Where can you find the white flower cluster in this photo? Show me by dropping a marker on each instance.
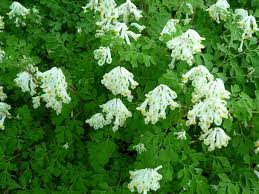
(97, 121)
(140, 148)
(256, 147)
(215, 138)
(185, 46)
(2, 54)
(4, 108)
(109, 15)
(181, 135)
(19, 12)
(156, 103)
(1, 23)
(118, 81)
(209, 96)
(247, 23)
(219, 10)
(170, 28)
(114, 111)
(51, 82)
(103, 55)
(144, 180)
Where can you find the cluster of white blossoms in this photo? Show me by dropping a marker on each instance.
(140, 148)
(1, 23)
(109, 16)
(103, 55)
(118, 81)
(209, 96)
(215, 138)
(247, 23)
(4, 108)
(97, 121)
(19, 12)
(219, 10)
(170, 28)
(157, 100)
(112, 111)
(185, 46)
(144, 180)
(52, 84)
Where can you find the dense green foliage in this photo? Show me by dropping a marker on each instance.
(32, 156)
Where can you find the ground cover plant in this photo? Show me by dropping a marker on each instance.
(129, 96)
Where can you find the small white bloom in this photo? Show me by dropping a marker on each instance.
(118, 81)
(103, 55)
(2, 55)
(256, 147)
(156, 103)
(181, 135)
(218, 11)
(169, 28)
(128, 8)
(242, 13)
(140, 148)
(1, 23)
(122, 31)
(214, 88)
(198, 75)
(185, 46)
(79, 30)
(117, 111)
(215, 138)
(4, 112)
(36, 101)
(54, 86)
(18, 12)
(3, 95)
(27, 80)
(144, 180)
(66, 146)
(208, 111)
(139, 27)
(97, 121)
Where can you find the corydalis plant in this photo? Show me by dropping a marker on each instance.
(49, 86)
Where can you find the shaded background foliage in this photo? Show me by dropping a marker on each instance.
(32, 157)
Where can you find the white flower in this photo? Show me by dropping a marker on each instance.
(242, 13)
(256, 173)
(256, 147)
(214, 88)
(103, 55)
(144, 180)
(118, 81)
(66, 146)
(54, 86)
(92, 5)
(169, 27)
(117, 111)
(248, 25)
(185, 46)
(198, 75)
(215, 138)
(156, 103)
(122, 31)
(128, 8)
(4, 108)
(3, 95)
(181, 135)
(139, 27)
(27, 80)
(140, 148)
(208, 111)
(218, 11)
(36, 101)
(18, 12)
(1, 23)
(97, 121)
(2, 54)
